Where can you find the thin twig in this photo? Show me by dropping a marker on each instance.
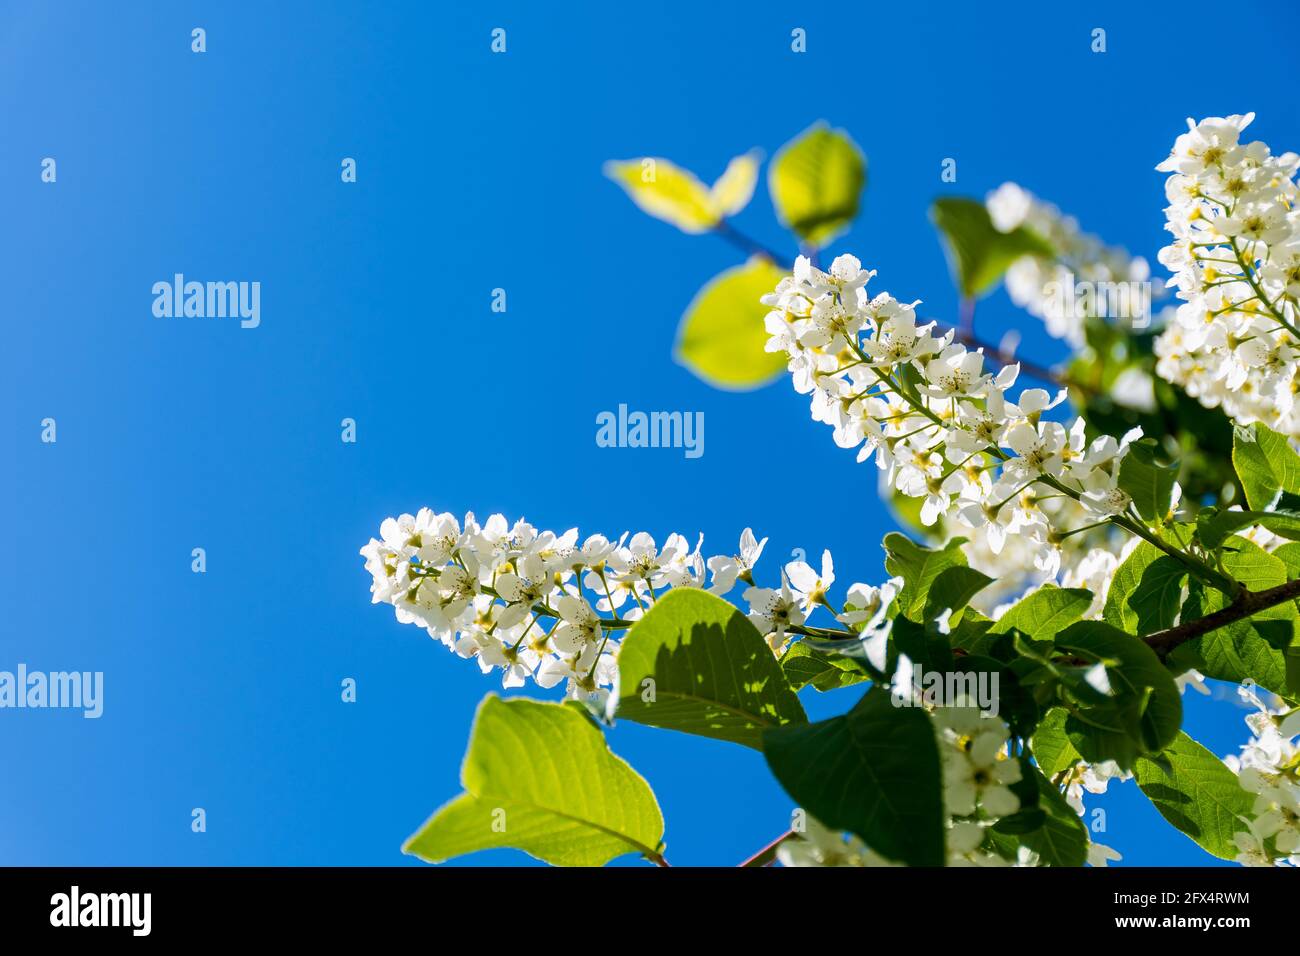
(750, 246)
(766, 855)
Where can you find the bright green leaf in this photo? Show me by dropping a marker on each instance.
(1050, 744)
(539, 778)
(1213, 528)
(721, 338)
(1149, 483)
(710, 672)
(804, 665)
(1146, 592)
(666, 191)
(1044, 612)
(1198, 794)
(735, 187)
(1266, 465)
(919, 567)
(815, 181)
(874, 771)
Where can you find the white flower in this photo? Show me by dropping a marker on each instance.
(1039, 449)
(811, 587)
(772, 612)
(1099, 855)
(726, 570)
(517, 664)
(1045, 285)
(579, 625)
(976, 769)
(955, 373)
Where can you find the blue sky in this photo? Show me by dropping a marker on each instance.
(475, 171)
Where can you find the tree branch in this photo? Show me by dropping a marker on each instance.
(766, 855)
(749, 246)
(1246, 604)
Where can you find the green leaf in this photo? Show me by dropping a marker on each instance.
(815, 181)
(804, 665)
(1143, 712)
(1051, 745)
(919, 567)
(1214, 527)
(1007, 698)
(1255, 647)
(1198, 794)
(539, 777)
(666, 191)
(1149, 483)
(1289, 555)
(978, 253)
(1044, 612)
(874, 771)
(721, 338)
(1146, 592)
(952, 590)
(970, 633)
(1060, 839)
(925, 645)
(710, 670)
(1266, 465)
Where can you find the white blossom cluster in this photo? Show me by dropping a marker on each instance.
(977, 774)
(1269, 767)
(1233, 340)
(538, 605)
(1044, 286)
(940, 426)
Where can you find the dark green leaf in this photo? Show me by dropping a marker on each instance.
(1062, 840)
(952, 590)
(926, 646)
(1144, 710)
(874, 771)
